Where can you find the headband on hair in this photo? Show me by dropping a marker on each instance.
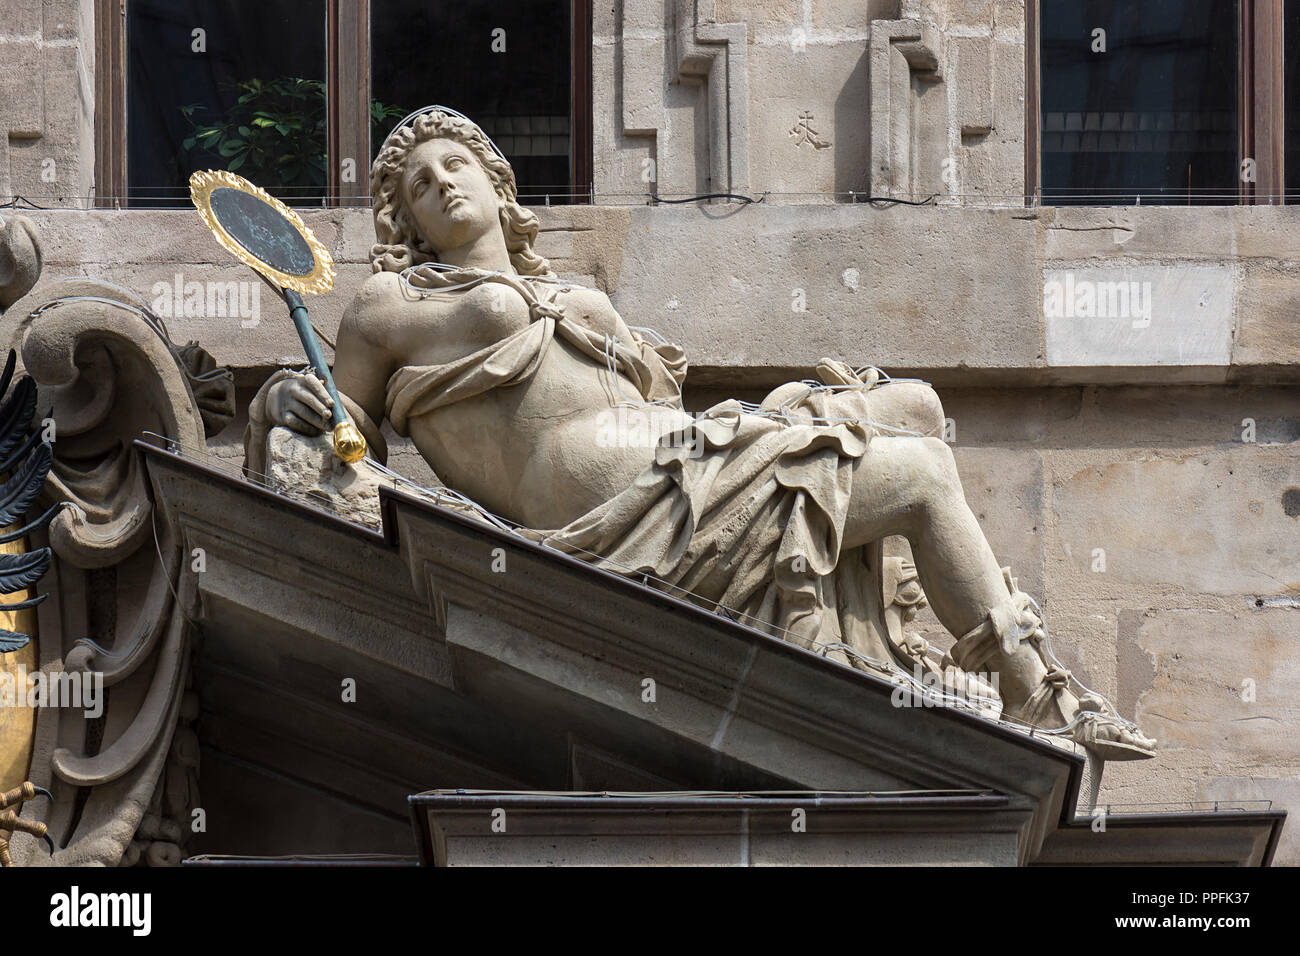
(450, 112)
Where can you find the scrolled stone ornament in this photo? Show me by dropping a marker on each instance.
(20, 259)
(104, 366)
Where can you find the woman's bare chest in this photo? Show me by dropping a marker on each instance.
(440, 326)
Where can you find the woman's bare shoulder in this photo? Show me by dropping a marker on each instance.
(379, 293)
(380, 307)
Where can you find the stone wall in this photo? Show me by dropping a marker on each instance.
(1138, 470)
(758, 293)
(47, 101)
(1167, 553)
(810, 101)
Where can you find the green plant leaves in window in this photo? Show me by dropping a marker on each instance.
(274, 133)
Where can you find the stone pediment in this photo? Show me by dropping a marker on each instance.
(341, 670)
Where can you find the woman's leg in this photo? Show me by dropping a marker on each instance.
(909, 486)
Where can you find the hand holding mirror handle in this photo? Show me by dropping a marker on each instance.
(270, 238)
(349, 444)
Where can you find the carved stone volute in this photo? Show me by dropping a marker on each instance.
(107, 373)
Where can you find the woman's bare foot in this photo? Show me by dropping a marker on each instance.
(1086, 719)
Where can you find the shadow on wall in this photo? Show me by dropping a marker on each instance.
(853, 129)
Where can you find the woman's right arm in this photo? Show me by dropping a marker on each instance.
(362, 366)
(365, 359)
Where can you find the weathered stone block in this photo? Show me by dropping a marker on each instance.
(1002, 148)
(21, 17)
(1140, 315)
(643, 81)
(163, 237)
(1000, 417)
(22, 99)
(1224, 684)
(758, 13)
(1197, 520)
(1009, 17)
(850, 14)
(973, 76)
(880, 284)
(809, 130)
(1076, 233)
(63, 19)
(1269, 310)
(1263, 232)
(969, 13)
(355, 236)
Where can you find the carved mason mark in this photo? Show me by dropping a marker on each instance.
(803, 132)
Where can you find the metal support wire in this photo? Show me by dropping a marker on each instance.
(537, 195)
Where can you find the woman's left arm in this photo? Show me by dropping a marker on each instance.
(666, 360)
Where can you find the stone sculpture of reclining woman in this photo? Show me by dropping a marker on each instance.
(506, 378)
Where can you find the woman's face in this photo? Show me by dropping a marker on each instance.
(449, 195)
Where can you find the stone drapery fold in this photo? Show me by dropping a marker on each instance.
(657, 371)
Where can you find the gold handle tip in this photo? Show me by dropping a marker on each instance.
(349, 444)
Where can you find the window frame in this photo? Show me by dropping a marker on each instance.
(347, 98)
(1260, 86)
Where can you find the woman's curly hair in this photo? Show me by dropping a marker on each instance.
(400, 244)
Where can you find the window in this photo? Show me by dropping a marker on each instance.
(215, 85)
(298, 95)
(1161, 102)
(1291, 94)
(522, 102)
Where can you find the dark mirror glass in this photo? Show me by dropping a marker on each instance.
(503, 63)
(262, 230)
(1139, 101)
(225, 84)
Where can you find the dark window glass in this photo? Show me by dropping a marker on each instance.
(1291, 101)
(1153, 116)
(442, 51)
(246, 94)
